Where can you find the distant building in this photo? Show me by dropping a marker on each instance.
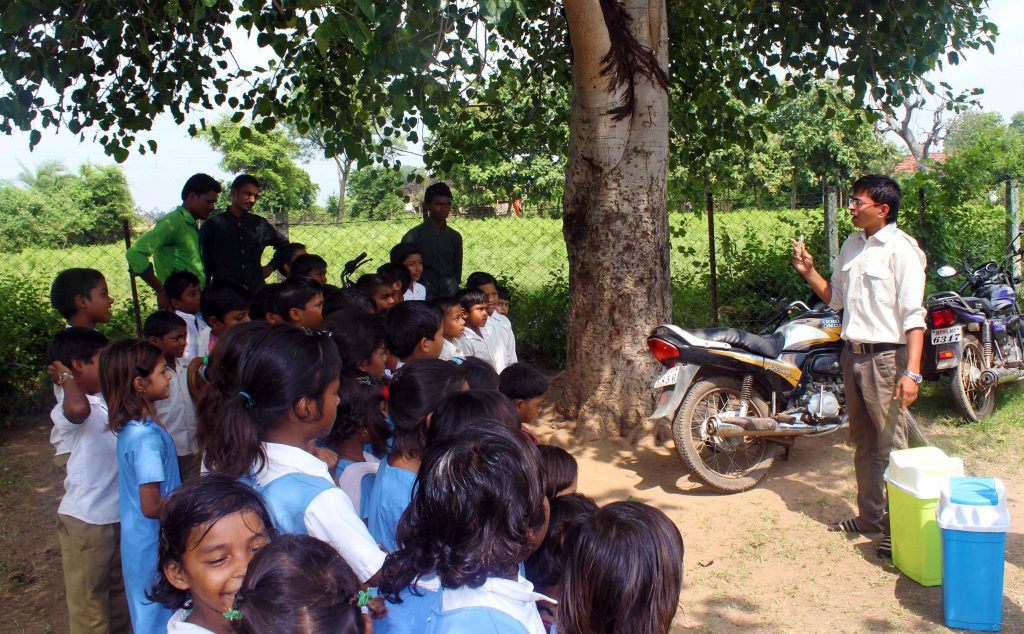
(909, 164)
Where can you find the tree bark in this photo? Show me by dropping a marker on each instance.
(615, 224)
(344, 165)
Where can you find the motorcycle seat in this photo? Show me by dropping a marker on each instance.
(764, 345)
(980, 303)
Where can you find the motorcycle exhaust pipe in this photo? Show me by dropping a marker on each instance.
(998, 376)
(729, 430)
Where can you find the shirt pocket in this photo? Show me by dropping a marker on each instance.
(879, 284)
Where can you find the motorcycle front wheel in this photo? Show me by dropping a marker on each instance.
(973, 401)
(729, 465)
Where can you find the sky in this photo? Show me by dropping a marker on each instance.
(156, 179)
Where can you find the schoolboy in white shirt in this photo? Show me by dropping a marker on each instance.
(88, 520)
(177, 413)
(498, 331)
(473, 341)
(183, 290)
(453, 326)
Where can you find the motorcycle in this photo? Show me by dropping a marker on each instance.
(978, 340)
(738, 397)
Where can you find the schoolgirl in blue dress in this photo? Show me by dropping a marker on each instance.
(623, 571)
(273, 392)
(358, 413)
(413, 394)
(478, 512)
(134, 375)
(210, 529)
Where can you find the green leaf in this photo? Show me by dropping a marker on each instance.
(34, 138)
(368, 8)
(152, 145)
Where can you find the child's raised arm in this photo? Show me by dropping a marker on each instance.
(76, 406)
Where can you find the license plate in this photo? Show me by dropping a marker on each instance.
(669, 377)
(947, 335)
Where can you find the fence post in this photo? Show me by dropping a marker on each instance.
(1013, 219)
(832, 224)
(709, 200)
(281, 219)
(131, 276)
(922, 207)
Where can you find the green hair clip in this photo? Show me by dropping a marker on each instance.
(365, 596)
(233, 615)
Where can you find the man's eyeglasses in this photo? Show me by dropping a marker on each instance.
(857, 203)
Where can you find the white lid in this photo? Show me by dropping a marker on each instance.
(922, 472)
(976, 505)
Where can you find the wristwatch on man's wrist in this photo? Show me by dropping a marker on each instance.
(917, 378)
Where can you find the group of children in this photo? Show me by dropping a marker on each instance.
(315, 459)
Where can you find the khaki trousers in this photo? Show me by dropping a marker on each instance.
(91, 556)
(876, 426)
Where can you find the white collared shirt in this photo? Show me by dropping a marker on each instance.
(879, 284)
(450, 351)
(91, 493)
(178, 624)
(416, 291)
(475, 345)
(515, 598)
(194, 327)
(501, 341)
(178, 413)
(330, 516)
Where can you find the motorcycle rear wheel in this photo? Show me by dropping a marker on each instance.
(972, 401)
(728, 465)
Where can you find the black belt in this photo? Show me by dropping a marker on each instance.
(873, 348)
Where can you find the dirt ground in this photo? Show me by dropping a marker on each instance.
(759, 561)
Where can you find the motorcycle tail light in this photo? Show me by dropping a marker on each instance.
(946, 355)
(663, 351)
(942, 318)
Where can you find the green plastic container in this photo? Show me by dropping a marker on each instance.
(914, 480)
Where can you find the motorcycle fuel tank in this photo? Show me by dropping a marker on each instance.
(803, 334)
(1001, 296)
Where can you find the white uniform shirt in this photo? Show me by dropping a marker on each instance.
(61, 445)
(474, 345)
(330, 516)
(451, 350)
(501, 341)
(416, 291)
(879, 282)
(194, 327)
(178, 413)
(178, 625)
(515, 598)
(91, 484)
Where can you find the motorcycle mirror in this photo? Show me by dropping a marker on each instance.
(946, 271)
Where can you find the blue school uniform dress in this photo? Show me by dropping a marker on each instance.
(388, 499)
(303, 499)
(145, 454)
(499, 606)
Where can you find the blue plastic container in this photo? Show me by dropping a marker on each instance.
(974, 520)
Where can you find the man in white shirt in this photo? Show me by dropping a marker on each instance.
(878, 282)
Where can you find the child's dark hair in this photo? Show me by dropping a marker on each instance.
(544, 566)
(479, 374)
(345, 299)
(263, 301)
(408, 323)
(357, 335)
(72, 283)
(477, 497)
(298, 583)
(179, 282)
(391, 273)
(286, 255)
(560, 469)
(359, 407)
(75, 344)
(198, 504)
(504, 293)
(162, 322)
(415, 391)
(369, 284)
(306, 263)
(477, 279)
(120, 364)
(295, 292)
(223, 362)
(623, 572)
(277, 367)
(220, 297)
(403, 250)
(883, 190)
(522, 381)
(445, 303)
(470, 297)
(460, 409)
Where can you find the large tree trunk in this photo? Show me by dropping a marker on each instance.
(615, 221)
(344, 165)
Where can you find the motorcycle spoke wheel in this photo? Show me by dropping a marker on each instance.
(973, 401)
(729, 465)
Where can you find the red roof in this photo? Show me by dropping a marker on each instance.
(909, 164)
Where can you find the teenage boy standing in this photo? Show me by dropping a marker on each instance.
(878, 282)
(439, 244)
